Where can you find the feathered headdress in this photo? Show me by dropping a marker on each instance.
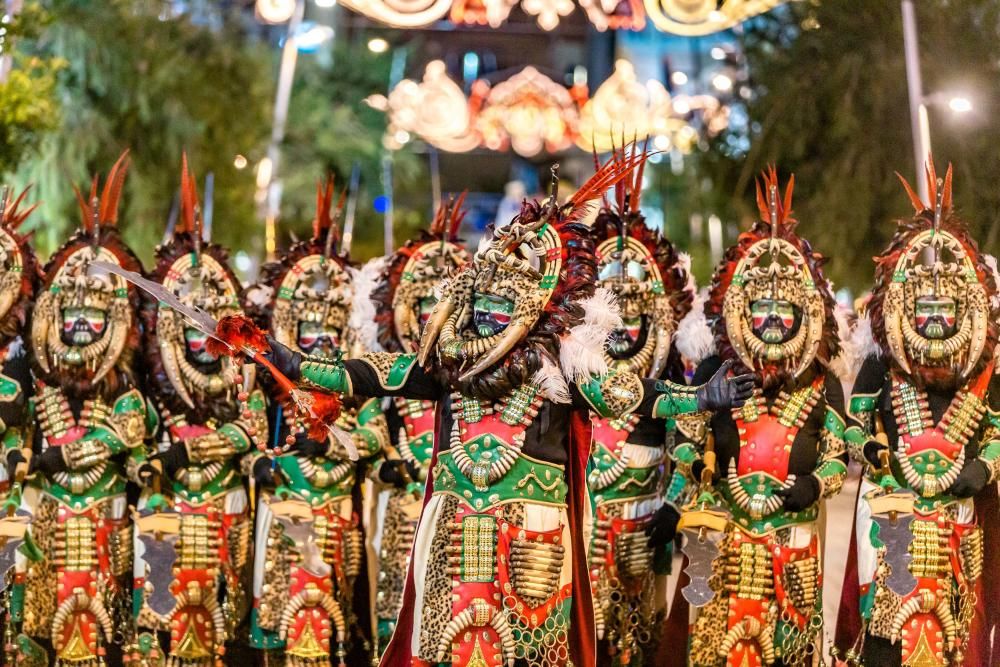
(414, 271)
(313, 277)
(956, 269)
(772, 261)
(98, 237)
(545, 256)
(199, 272)
(18, 258)
(665, 289)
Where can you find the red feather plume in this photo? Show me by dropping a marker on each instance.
(234, 333)
(609, 175)
(107, 206)
(13, 215)
(325, 412)
(930, 174)
(189, 199)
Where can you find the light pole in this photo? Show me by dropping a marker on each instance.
(914, 85)
(269, 188)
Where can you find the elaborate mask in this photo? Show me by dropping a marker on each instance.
(310, 288)
(773, 282)
(770, 304)
(198, 273)
(649, 280)
(935, 304)
(418, 268)
(84, 317)
(521, 275)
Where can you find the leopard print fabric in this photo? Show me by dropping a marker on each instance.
(277, 574)
(436, 611)
(397, 538)
(40, 584)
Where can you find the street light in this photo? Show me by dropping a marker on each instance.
(960, 104)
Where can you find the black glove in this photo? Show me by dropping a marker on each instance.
(391, 472)
(871, 450)
(698, 467)
(973, 479)
(14, 458)
(307, 447)
(662, 528)
(174, 459)
(264, 472)
(284, 359)
(150, 471)
(803, 492)
(48, 462)
(722, 393)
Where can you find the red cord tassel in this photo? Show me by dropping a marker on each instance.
(235, 333)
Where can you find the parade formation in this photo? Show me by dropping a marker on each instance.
(495, 454)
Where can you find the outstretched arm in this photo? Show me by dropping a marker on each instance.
(620, 393)
(374, 374)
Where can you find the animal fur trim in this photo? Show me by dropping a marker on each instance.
(550, 381)
(693, 338)
(581, 350)
(362, 319)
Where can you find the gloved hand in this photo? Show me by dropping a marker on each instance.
(307, 447)
(264, 472)
(971, 480)
(391, 472)
(49, 462)
(14, 458)
(149, 471)
(803, 492)
(284, 359)
(175, 458)
(662, 528)
(698, 467)
(872, 451)
(722, 393)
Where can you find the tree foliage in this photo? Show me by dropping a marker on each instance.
(830, 105)
(135, 78)
(331, 129)
(28, 106)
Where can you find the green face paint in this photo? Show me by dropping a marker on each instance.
(773, 320)
(491, 314)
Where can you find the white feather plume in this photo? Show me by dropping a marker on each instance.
(693, 338)
(861, 344)
(684, 261)
(259, 295)
(362, 319)
(581, 350)
(550, 381)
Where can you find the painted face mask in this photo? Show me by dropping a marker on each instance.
(196, 349)
(625, 341)
(935, 318)
(773, 320)
(82, 326)
(317, 340)
(491, 314)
